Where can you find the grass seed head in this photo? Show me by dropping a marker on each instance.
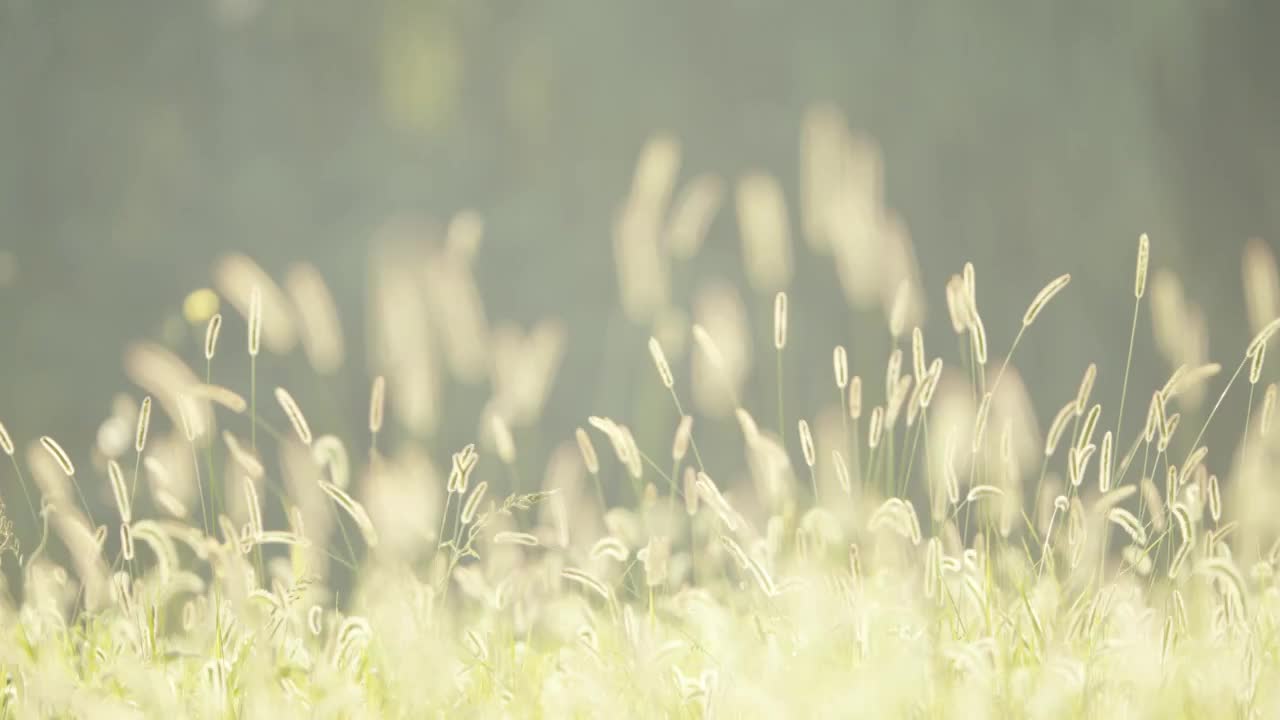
(660, 362)
(59, 455)
(1043, 297)
(780, 321)
(377, 403)
(840, 363)
(255, 320)
(1144, 256)
(211, 335)
(294, 413)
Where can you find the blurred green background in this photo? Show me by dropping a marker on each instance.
(140, 140)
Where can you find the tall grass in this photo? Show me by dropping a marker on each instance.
(911, 580)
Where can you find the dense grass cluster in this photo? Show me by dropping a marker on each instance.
(916, 547)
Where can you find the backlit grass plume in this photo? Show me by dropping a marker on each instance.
(934, 556)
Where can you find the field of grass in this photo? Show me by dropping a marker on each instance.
(917, 546)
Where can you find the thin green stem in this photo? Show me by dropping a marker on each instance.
(1127, 462)
(844, 417)
(1045, 551)
(1142, 501)
(928, 466)
(658, 469)
(1044, 469)
(979, 368)
(346, 538)
(88, 513)
(857, 455)
(1248, 418)
(782, 427)
(671, 498)
(1244, 448)
(213, 424)
(35, 516)
(1124, 388)
(204, 511)
(444, 518)
(1102, 556)
(693, 444)
(1214, 411)
(911, 461)
(872, 453)
(1017, 338)
(253, 401)
(44, 535)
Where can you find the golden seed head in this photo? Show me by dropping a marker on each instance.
(211, 335)
(294, 413)
(59, 455)
(684, 433)
(918, 360)
(660, 362)
(877, 427)
(377, 402)
(1255, 365)
(855, 397)
(840, 362)
(144, 424)
(1144, 256)
(780, 320)
(255, 320)
(806, 444)
(589, 457)
(1043, 297)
